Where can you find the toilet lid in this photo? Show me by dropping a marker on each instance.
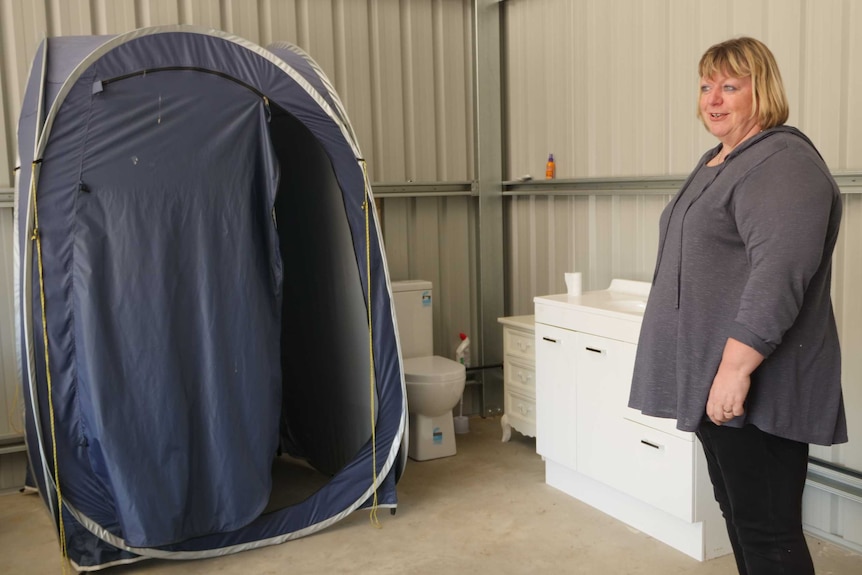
(432, 368)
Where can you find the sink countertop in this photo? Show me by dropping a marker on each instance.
(526, 322)
(614, 312)
(622, 298)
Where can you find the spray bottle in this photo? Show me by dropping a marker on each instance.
(550, 168)
(462, 356)
(462, 353)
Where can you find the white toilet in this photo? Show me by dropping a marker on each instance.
(434, 383)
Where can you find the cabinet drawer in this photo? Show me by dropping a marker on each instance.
(521, 408)
(660, 423)
(520, 376)
(519, 344)
(656, 468)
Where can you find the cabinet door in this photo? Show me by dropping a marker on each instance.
(556, 432)
(603, 370)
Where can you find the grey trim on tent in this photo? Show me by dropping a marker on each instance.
(150, 553)
(324, 79)
(43, 131)
(84, 568)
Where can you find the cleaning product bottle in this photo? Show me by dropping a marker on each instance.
(462, 353)
(550, 168)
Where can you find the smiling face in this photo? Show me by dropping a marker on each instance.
(727, 108)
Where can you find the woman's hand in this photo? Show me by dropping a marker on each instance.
(727, 396)
(732, 382)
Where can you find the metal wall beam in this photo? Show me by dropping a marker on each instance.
(489, 174)
(7, 197)
(488, 118)
(849, 182)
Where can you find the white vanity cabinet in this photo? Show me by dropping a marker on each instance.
(639, 469)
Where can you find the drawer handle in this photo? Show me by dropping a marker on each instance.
(523, 409)
(650, 444)
(550, 340)
(524, 346)
(523, 377)
(595, 350)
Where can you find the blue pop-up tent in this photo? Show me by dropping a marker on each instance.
(200, 287)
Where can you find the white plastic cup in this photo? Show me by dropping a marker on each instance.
(573, 283)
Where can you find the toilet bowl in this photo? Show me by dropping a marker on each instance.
(434, 387)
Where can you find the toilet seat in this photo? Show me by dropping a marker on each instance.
(433, 369)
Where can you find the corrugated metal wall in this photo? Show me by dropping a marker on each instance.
(847, 297)
(401, 67)
(611, 87)
(602, 236)
(432, 239)
(10, 422)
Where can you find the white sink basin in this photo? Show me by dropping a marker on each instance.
(627, 305)
(615, 313)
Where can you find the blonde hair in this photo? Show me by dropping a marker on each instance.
(742, 57)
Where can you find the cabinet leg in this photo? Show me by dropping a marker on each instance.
(507, 429)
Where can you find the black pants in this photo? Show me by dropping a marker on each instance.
(758, 480)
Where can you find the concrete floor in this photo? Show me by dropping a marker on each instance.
(485, 510)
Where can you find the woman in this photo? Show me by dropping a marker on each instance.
(738, 341)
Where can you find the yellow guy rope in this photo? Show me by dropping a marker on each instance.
(366, 207)
(37, 238)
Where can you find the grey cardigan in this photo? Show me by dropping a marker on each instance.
(745, 251)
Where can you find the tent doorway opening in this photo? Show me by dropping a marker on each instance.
(325, 415)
